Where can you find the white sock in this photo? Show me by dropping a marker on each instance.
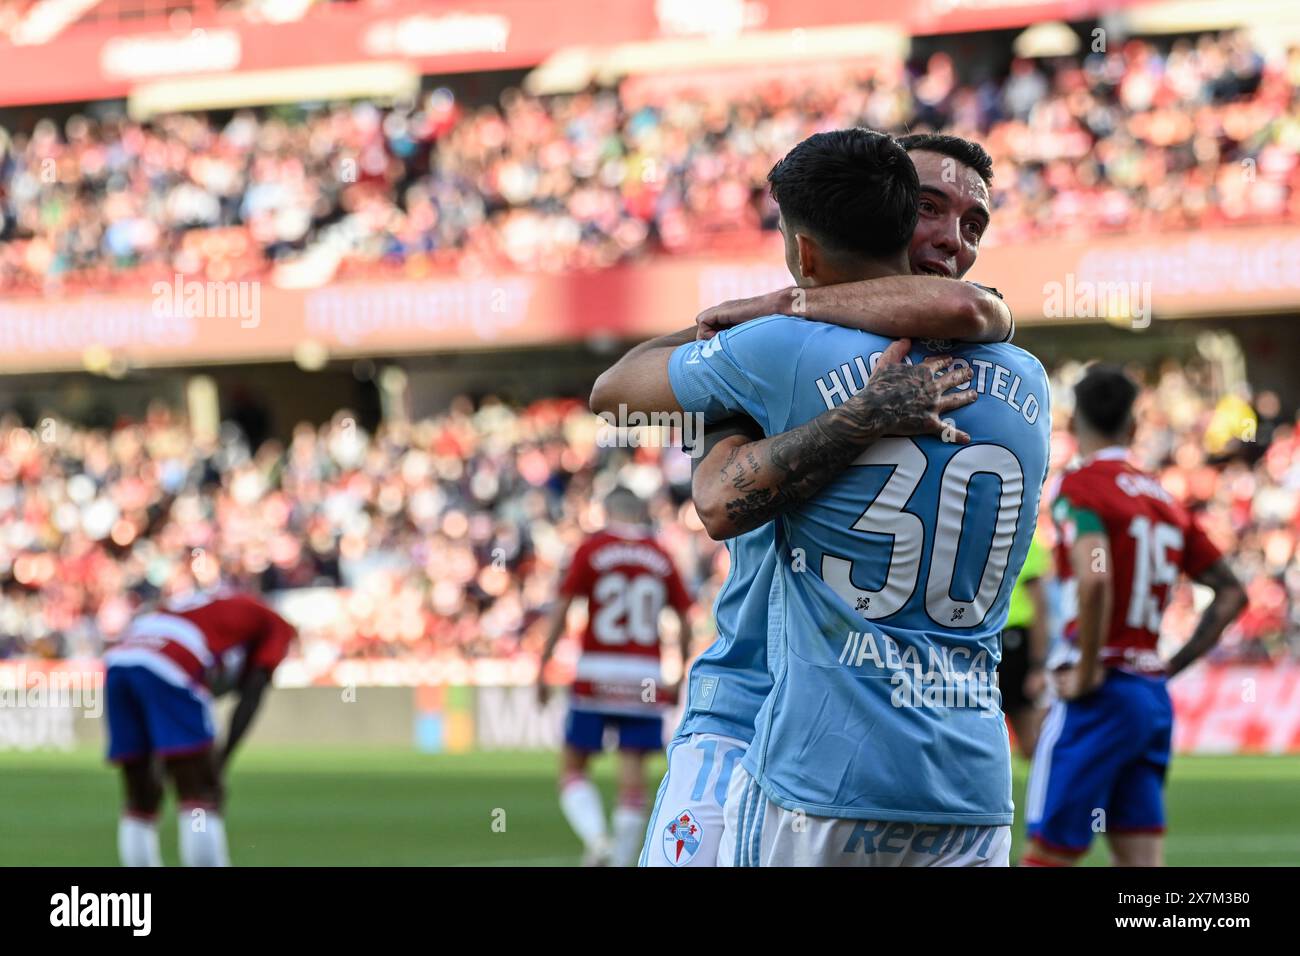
(629, 833)
(580, 801)
(137, 841)
(202, 837)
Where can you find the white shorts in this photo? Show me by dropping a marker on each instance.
(686, 824)
(757, 832)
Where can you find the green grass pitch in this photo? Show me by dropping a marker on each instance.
(337, 807)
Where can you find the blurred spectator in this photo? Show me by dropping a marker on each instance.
(444, 537)
(1131, 139)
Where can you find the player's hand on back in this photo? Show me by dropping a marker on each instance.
(905, 399)
(1071, 686)
(738, 311)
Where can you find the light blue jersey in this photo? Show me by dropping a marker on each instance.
(730, 680)
(892, 585)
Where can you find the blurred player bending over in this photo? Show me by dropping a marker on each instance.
(1104, 748)
(626, 579)
(161, 679)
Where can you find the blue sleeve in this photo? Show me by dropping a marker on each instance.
(745, 370)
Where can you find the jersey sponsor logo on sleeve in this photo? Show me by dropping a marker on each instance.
(708, 686)
(703, 350)
(682, 838)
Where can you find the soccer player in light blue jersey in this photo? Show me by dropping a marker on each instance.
(882, 741)
(729, 682)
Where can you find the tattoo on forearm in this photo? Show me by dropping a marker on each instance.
(724, 473)
(743, 479)
(786, 470)
(801, 462)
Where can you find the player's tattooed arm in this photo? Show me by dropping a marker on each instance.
(639, 380)
(742, 484)
(1229, 601)
(713, 466)
(919, 306)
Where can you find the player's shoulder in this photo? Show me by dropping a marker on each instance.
(1081, 484)
(1111, 483)
(238, 598)
(780, 331)
(582, 553)
(240, 609)
(1024, 362)
(820, 342)
(594, 540)
(775, 324)
(1074, 479)
(658, 547)
(220, 599)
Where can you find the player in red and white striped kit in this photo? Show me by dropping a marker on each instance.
(627, 579)
(161, 679)
(1123, 542)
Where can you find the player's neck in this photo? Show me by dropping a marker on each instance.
(1091, 447)
(863, 271)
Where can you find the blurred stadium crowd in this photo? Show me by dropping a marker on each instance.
(448, 535)
(1130, 139)
(13, 13)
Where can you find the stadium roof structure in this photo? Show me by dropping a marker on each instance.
(574, 68)
(381, 80)
(1273, 24)
(72, 50)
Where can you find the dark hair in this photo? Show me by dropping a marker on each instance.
(1104, 399)
(625, 503)
(854, 189)
(963, 150)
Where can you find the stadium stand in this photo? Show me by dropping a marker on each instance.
(446, 535)
(1141, 138)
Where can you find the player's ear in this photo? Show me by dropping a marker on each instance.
(809, 255)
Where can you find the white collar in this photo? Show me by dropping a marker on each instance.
(626, 530)
(1109, 453)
